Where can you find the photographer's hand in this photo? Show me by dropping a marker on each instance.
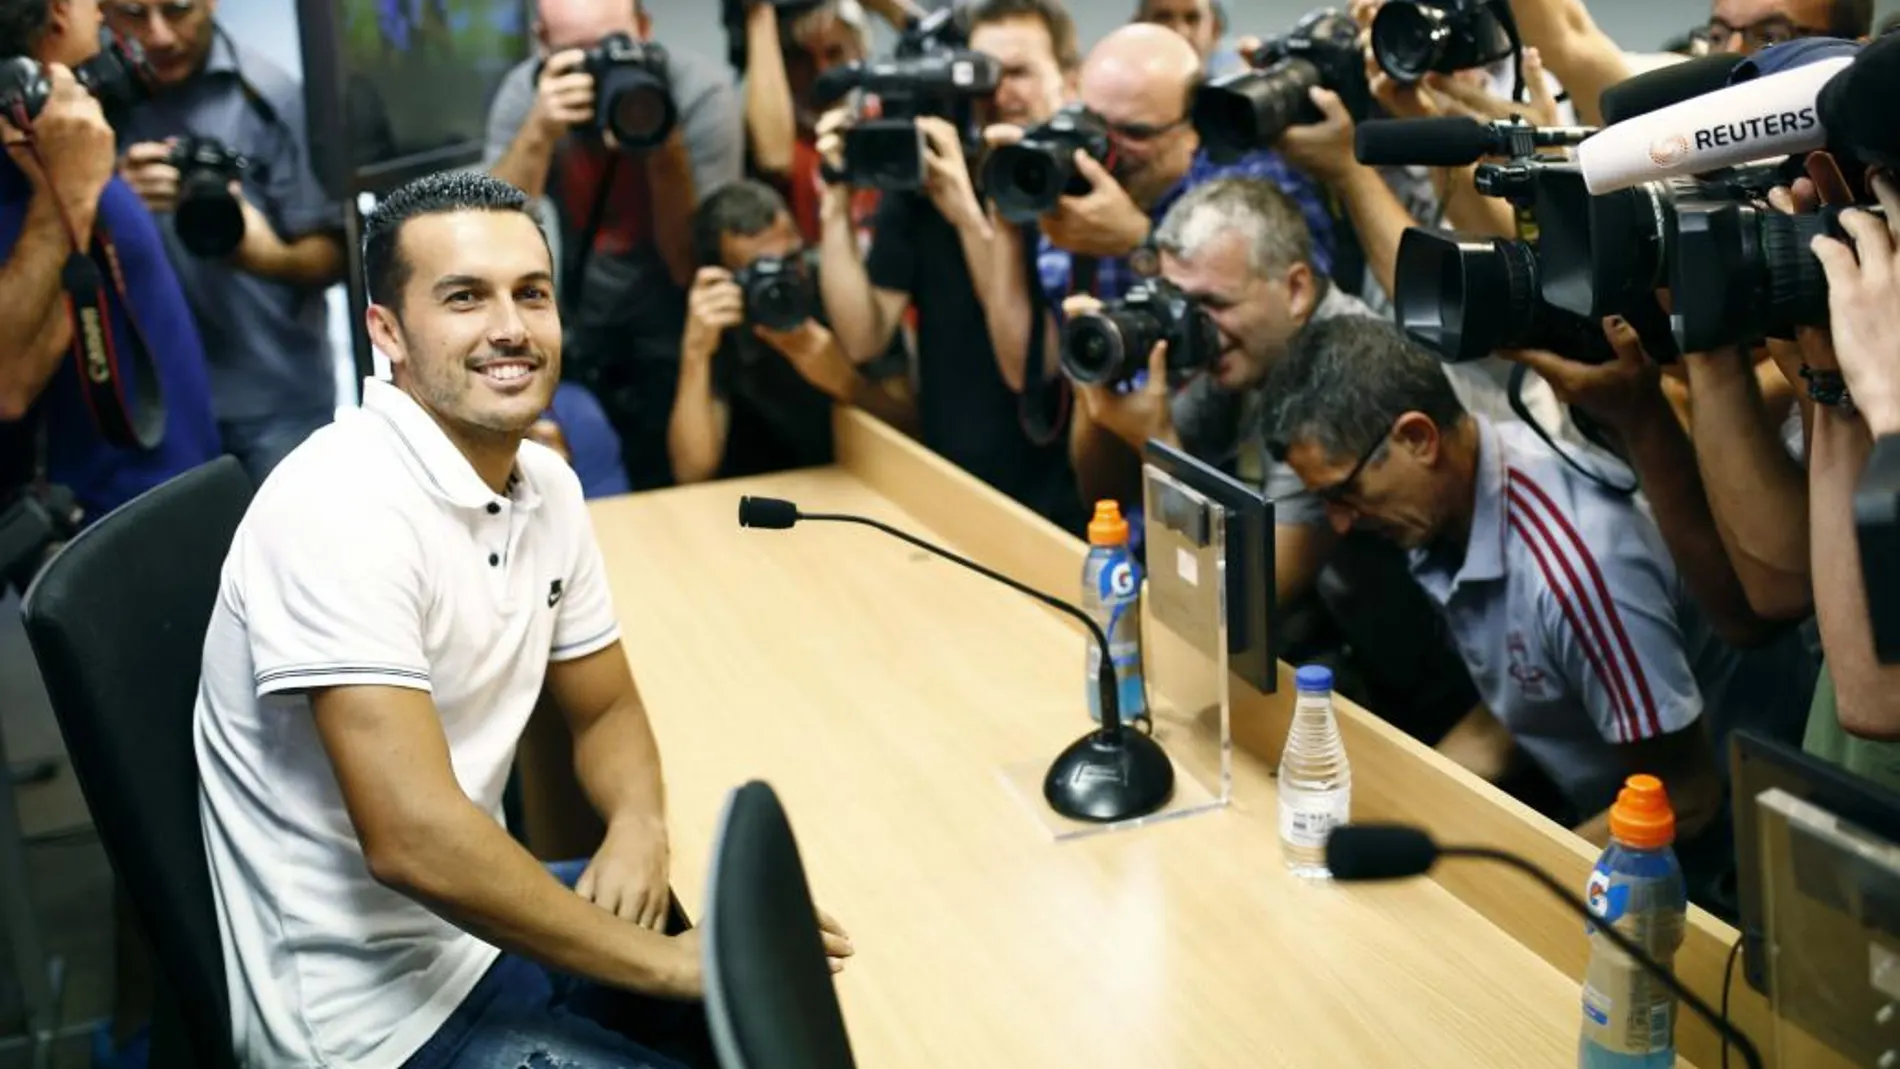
(1623, 393)
(1325, 149)
(713, 306)
(1105, 221)
(1137, 416)
(947, 174)
(1459, 97)
(564, 94)
(1864, 306)
(146, 167)
(815, 354)
(71, 134)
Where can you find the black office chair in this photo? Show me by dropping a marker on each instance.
(769, 993)
(117, 621)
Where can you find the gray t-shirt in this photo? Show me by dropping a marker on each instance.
(267, 343)
(627, 299)
(1223, 427)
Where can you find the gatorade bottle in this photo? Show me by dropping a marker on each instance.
(1111, 594)
(1629, 1019)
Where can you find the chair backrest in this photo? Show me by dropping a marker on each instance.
(117, 620)
(769, 994)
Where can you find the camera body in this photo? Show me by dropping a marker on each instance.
(1413, 38)
(888, 152)
(1111, 345)
(1027, 178)
(633, 99)
(1250, 109)
(208, 220)
(779, 294)
(117, 76)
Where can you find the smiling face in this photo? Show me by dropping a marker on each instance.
(1257, 314)
(476, 336)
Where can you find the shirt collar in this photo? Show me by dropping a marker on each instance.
(223, 57)
(1484, 550)
(444, 469)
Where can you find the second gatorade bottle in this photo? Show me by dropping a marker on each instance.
(1629, 1017)
(1111, 594)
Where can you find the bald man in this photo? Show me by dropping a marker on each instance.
(625, 216)
(1140, 80)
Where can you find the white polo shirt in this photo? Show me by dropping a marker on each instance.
(1569, 614)
(374, 555)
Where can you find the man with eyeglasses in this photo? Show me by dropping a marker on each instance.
(262, 308)
(1590, 659)
(1587, 61)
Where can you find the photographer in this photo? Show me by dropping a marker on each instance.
(59, 170)
(743, 408)
(1138, 83)
(931, 251)
(1202, 23)
(626, 215)
(261, 304)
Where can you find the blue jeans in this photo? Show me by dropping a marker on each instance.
(524, 1016)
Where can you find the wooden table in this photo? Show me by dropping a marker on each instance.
(881, 691)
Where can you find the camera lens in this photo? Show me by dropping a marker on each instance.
(777, 303)
(640, 114)
(1250, 110)
(1026, 179)
(1409, 39)
(1795, 289)
(207, 218)
(1107, 346)
(1464, 299)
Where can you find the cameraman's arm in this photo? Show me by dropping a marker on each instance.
(529, 117)
(863, 315)
(705, 151)
(1581, 55)
(1324, 150)
(1754, 487)
(670, 177)
(291, 203)
(1108, 429)
(1868, 692)
(1007, 307)
(34, 328)
(770, 126)
(697, 430)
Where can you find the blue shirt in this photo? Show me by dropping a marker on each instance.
(267, 343)
(103, 476)
(1113, 276)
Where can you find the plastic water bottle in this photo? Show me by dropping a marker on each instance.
(1629, 1019)
(1111, 593)
(1315, 778)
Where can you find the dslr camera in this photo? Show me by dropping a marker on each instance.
(1027, 178)
(1413, 38)
(632, 99)
(208, 219)
(1111, 345)
(778, 291)
(117, 76)
(1250, 109)
(931, 72)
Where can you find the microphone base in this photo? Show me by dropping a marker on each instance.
(1108, 776)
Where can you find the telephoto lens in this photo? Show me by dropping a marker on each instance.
(778, 293)
(208, 220)
(1027, 178)
(1112, 344)
(1249, 110)
(1413, 38)
(631, 97)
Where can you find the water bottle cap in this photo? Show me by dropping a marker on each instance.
(1314, 677)
(1641, 816)
(1108, 528)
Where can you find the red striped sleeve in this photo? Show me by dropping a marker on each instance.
(1583, 624)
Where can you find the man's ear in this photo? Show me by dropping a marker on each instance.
(385, 333)
(1302, 293)
(642, 23)
(540, 31)
(1418, 435)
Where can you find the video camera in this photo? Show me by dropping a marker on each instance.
(117, 76)
(778, 291)
(1250, 109)
(1027, 178)
(633, 99)
(931, 72)
(208, 219)
(1111, 345)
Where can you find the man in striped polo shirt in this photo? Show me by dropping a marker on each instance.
(1588, 656)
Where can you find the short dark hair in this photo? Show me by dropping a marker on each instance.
(22, 24)
(385, 271)
(1346, 380)
(1055, 18)
(745, 208)
(1850, 18)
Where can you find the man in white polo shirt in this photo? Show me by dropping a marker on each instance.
(1588, 656)
(402, 590)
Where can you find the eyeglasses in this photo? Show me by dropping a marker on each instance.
(176, 11)
(1773, 30)
(1141, 131)
(1337, 493)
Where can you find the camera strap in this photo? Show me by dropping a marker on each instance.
(1043, 414)
(1514, 392)
(575, 271)
(131, 417)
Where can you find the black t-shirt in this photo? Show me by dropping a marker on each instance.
(970, 416)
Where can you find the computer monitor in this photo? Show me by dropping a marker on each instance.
(1248, 562)
(1758, 764)
(395, 89)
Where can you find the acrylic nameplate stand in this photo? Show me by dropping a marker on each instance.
(1185, 663)
(1831, 907)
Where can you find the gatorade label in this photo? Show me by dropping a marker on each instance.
(1118, 587)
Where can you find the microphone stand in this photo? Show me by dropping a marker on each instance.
(1108, 775)
(1622, 942)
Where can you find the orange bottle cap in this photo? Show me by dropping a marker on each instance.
(1108, 528)
(1641, 816)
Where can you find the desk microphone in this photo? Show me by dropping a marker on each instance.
(1111, 773)
(1366, 852)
